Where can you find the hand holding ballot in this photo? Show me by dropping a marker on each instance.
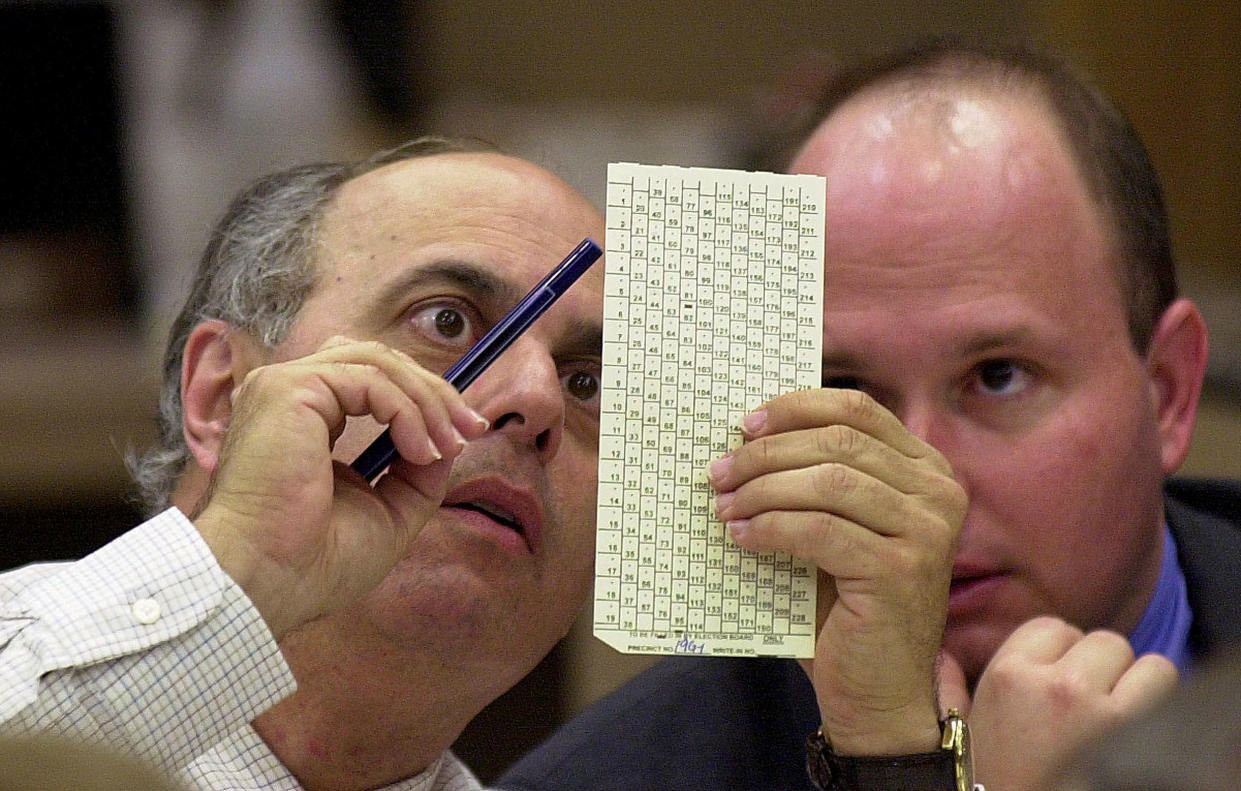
(832, 477)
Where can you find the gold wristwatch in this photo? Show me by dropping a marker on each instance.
(950, 768)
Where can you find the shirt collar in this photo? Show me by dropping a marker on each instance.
(1164, 627)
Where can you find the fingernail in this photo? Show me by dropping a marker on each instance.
(483, 423)
(738, 528)
(461, 440)
(755, 421)
(435, 452)
(718, 469)
(722, 502)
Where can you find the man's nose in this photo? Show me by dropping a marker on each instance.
(521, 395)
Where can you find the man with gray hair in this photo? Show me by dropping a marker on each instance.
(279, 622)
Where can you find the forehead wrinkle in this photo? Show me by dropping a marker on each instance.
(492, 193)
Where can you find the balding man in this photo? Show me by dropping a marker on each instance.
(1000, 289)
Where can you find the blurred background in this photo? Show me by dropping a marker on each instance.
(129, 124)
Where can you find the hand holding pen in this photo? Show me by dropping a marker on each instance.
(300, 539)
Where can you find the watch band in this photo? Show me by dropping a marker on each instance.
(949, 768)
(933, 771)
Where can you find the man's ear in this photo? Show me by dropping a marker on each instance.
(217, 358)
(1176, 364)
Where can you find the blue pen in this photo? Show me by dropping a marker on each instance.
(382, 452)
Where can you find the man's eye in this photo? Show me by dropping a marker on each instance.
(843, 383)
(443, 323)
(582, 385)
(449, 323)
(1002, 377)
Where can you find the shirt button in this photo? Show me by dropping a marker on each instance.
(146, 611)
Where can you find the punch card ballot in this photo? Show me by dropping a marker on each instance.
(713, 304)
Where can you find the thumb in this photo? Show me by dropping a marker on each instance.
(954, 691)
(427, 482)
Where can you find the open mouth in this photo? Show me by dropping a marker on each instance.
(971, 590)
(509, 513)
(965, 579)
(495, 512)
(497, 515)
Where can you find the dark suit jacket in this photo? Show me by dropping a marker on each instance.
(732, 724)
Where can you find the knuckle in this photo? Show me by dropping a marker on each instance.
(809, 543)
(1004, 671)
(932, 455)
(833, 477)
(334, 341)
(1157, 671)
(941, 462)
(822, 539)
(822, 530)
(947, 502)
(798, 401)
(904, 561)
(1067, 690)
(837, 440)
(375, 348)
(1048, 627)
(958, 501)
(764, 533)
(1108, 637)
(364, 369)
(758, 454)
(821, 524)
(1010, 674)
(1157, 664)
(857, 406)
(947, 529)
(1112, 642)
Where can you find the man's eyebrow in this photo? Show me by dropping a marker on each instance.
(981, 343)
(484, 284)
(995, 339)
(842, 361)
(582, 338)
